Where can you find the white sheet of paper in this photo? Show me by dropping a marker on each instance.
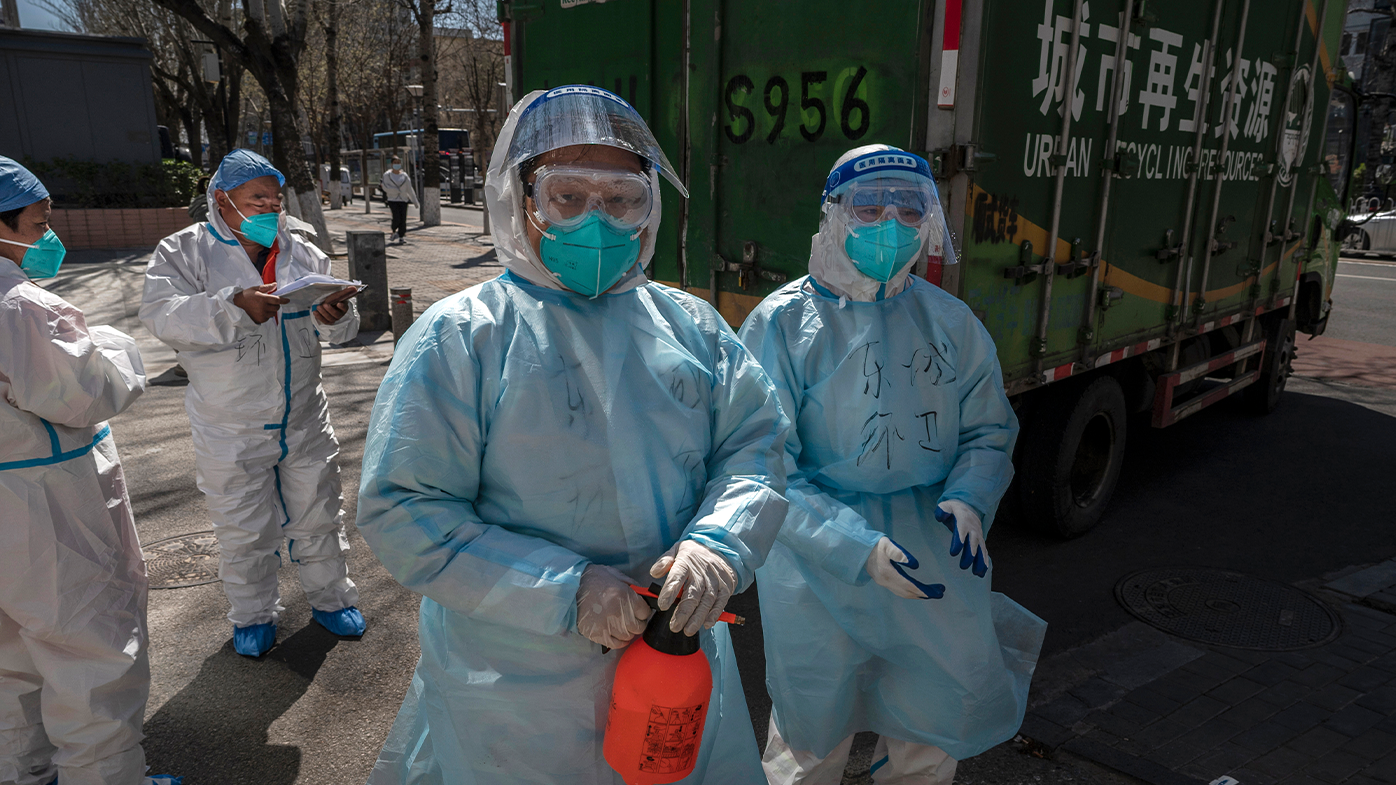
(313, 288)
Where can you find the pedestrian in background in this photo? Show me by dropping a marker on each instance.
(398, 191)
(74, 664)
(265, 454)
(875, 599)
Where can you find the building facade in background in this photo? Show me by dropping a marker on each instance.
(74, 96)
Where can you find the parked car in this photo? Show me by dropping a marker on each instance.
(1371, 226)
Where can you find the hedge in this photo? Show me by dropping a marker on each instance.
(88, 184)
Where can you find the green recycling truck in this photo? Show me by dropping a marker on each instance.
(1144, 196)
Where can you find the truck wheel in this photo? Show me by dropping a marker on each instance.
(1263, 396)
(1075, 446)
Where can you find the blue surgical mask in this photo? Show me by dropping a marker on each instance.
(43, 258)
(879, 251)
(592, 256)
(260, 229)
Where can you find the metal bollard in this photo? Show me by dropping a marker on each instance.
(402, 311)
(368, 262)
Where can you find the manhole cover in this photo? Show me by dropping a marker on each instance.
(1227, 609)
(188, 560)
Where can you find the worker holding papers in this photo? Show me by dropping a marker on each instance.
(245, 302)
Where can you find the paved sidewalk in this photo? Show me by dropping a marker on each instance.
(436, 262)
(1348, 362)
(1171, 712)
(106, 285)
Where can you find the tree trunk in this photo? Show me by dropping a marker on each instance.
(231, 105)
(335, 130)
(221, 107)
(218, 143)
(227, 100)
(165, 104)
(431, 146)
(193, 130)
(270, 48)
(288, 155)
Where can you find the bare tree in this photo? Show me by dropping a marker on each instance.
(184, 99)
(335, 131)
(424, 12)
(371, 63)
(270, 47)
(474, 70)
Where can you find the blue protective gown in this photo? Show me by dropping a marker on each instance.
(521, 433)
(898, 404)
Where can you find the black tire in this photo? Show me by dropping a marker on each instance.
(1263, 396)
(1074, 448)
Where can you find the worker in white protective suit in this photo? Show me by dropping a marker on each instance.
(547, 438)
(264, 449)
(876, 602)
(74, 667)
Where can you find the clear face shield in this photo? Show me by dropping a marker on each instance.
(884, 202)
(581, 115)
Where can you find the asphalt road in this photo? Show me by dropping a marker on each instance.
(1292, 496)
(1364, 299)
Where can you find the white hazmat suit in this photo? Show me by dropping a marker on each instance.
(74, 672)
(265, 452)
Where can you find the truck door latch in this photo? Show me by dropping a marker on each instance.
(1080, 263)
(948, 162)
(1169, 251)
(748, 270)
(1024, 271)
(1220, 246)
(1290, 234)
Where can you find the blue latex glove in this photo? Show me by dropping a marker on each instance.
(966, 535)
(885, 566)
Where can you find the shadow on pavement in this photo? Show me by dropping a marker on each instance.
(172, 377)
(1288, 497)
(216, 729)
(475, 261)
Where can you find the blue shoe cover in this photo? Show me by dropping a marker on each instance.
(348, 623)
(163, 779)
(254, 640)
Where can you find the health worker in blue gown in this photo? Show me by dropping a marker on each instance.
(547, 438)
(875, 599)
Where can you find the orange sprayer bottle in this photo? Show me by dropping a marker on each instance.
(659, 703)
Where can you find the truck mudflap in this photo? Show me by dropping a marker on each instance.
(1167, 412)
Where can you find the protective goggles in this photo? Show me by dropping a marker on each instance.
(870, 202)
(564, 196)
